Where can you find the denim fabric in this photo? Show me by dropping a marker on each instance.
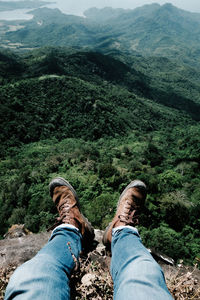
(136, 275)
(46, 276)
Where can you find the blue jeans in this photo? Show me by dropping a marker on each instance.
(135, 273)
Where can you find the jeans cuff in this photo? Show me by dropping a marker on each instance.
(65, 226)
(119, 228)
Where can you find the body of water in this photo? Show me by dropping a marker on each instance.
(25, 14)
(17, 14)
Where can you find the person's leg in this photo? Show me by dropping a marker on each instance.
(46, 276)
(136, 275)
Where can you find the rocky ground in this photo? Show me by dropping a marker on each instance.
(92, 280)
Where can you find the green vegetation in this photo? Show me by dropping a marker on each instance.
(149, 30)
(101, 121)
(99, 171)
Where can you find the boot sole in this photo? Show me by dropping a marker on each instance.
(59, 181)
(134, 184)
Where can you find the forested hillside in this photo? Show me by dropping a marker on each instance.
(148, 30)
(101, 121)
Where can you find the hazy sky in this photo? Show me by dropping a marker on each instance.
(77, 7)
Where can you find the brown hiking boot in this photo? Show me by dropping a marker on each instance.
(66, 200)
(128, 208)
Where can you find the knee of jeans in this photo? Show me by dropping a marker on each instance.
(27, 269)
(23, 270)
(144, 267)
(138, 267)
(30, 271)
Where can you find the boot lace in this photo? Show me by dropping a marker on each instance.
(130, 214)
(64, 212)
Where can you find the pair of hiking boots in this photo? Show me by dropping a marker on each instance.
(66, 200)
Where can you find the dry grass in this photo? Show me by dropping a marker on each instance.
(93, 281)
(185, 284)
(5, 274)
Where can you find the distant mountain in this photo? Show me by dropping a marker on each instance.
(157, 30)
(50, 27)
(148, 30)
(110, 14)
(105, 14)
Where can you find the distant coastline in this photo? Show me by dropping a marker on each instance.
(20, 10)
(17, 14)
(9, 6)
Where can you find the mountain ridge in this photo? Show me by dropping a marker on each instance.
(148, 30)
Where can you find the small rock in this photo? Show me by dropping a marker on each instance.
(87, 279)
(17, 230)
(98, 235)
(101, 249)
